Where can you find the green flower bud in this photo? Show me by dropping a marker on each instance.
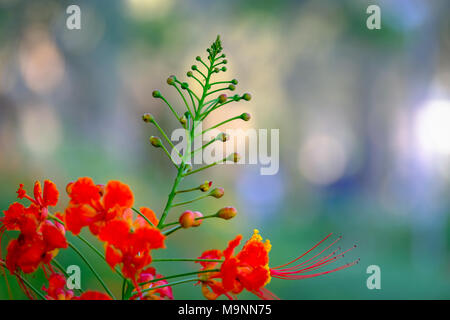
(194, 67)
(224, 69)
(185, 85)
(247, 96)
(156, 94)
(189, 74)
(236, 97)
(225, 61)
(222, 98)
(227, 213)
(147, 117)
(234, 81)
(232, 87)
(217, 193)
(183, 121)
(198, 58)
(216, 70)
(155, 141)
(245, 116)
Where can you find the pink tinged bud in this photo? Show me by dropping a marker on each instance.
(155, 141)
(217, 193)
(171, 80)
(227, 213)
(205, 186)
(187, 219)
(197, 216)
(222, 98)
(245, 116)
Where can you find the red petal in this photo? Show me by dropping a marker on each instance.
(94, 295)
(150, 215)
(117, 193)
(53, 237)
(116, 233)
(51, 194)
(84, 191)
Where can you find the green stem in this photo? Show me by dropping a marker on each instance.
(92, 269)
(220, 124)
(189, 201)
(199, 218)
(170, 284)
(170, 231)
(172, 194)
(143, 216)
(191, 260)
(179, 275)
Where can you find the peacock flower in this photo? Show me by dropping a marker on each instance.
(94, 205)
(129, 243)
(39, 238)
(249, 268)
(57, 291)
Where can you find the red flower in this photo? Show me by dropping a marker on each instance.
(39, 238)
(249, 269)
(164, 293)
(129, 243)
(57, 291)
(94, 205)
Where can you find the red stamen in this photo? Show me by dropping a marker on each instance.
(286, 264)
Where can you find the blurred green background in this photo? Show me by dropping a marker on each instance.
(364, 118)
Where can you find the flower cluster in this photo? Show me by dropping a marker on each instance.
(129, 236)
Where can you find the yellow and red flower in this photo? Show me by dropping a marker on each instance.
(249, 268)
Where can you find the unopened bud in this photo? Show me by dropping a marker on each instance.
(187, 219)
(224, 61)
(185, 85)
(245, 116)
(189, 74)
(216, 70)
(197, 218)
(205, 186)
(247, 96)
(155, 141)
(234, 81)
(198, 58)
(232, 87)
(227, 213)
(171, 80)
(217, 193)
(224, 69)
(183, 121)
(222, 98)
(147, 117)
(194, 67)
(156, 94)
